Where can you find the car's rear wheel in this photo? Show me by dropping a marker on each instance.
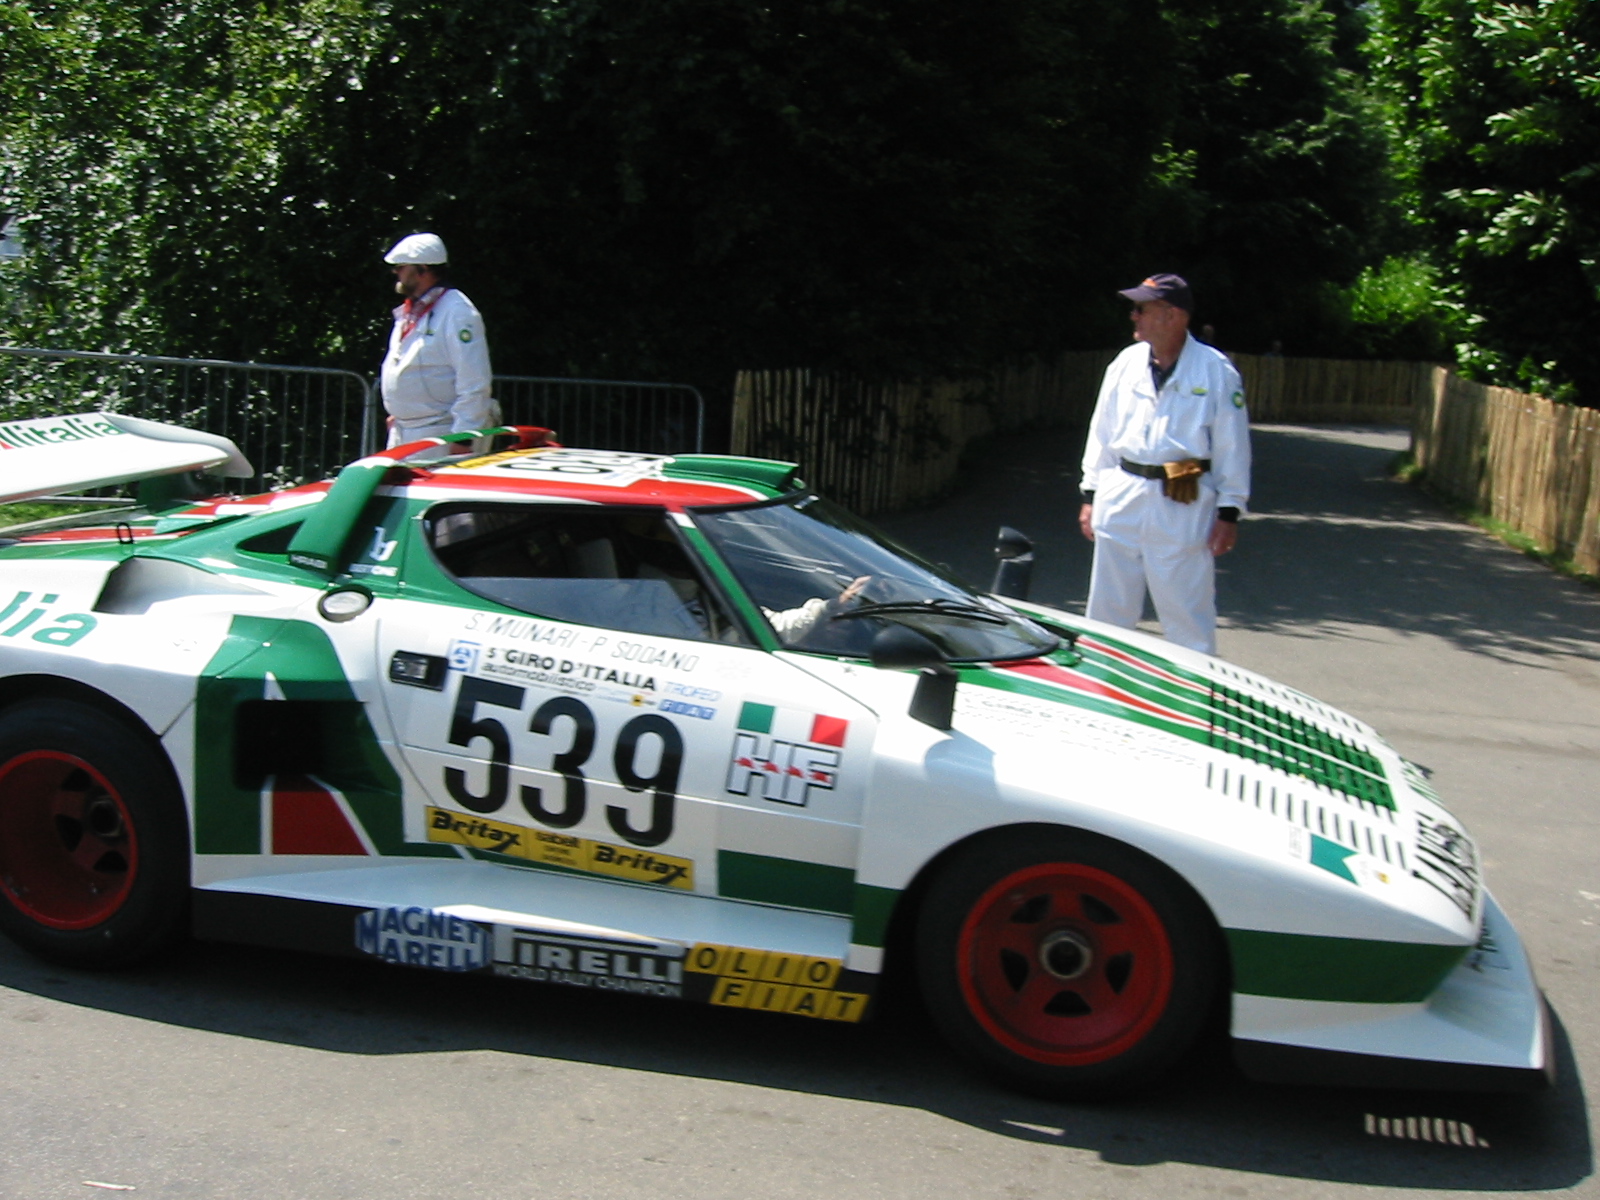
(94, 866)
(1067, 963)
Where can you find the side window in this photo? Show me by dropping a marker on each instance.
(618, 569)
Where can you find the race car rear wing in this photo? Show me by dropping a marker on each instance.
(68, 454)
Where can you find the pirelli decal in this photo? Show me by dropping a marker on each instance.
(552, 849)
(770, 981)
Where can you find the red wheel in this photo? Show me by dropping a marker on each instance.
(94, 847)
(1066, 962)
(68, 852)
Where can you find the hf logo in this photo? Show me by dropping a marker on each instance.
(785, 769)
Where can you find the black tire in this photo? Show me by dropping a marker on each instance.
(94, 838)
(1067, 964)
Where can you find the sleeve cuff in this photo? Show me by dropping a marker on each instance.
(1228, 513)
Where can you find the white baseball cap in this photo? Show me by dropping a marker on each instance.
(424, 249)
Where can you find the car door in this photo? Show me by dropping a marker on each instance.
(568, 693)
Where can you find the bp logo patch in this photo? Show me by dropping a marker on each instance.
(1238, 399)
(465, 335)
(784, 754)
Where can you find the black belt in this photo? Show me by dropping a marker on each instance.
(1156, 470)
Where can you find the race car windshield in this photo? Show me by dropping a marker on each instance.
(827, 582)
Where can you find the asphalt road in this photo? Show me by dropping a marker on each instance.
(229, 1072)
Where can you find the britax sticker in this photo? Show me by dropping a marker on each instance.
(785, 755)
(423, 937)
(559, 849)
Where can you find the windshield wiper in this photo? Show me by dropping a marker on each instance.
(943, 607)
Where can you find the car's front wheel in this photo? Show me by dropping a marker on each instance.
(93, 836)
(1066, 963)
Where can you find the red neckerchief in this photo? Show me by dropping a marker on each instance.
(410, 316)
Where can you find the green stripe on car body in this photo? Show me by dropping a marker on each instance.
(870, 911)
(1262, 731)
(785, 881)
(1297, 966)
(1234, 724)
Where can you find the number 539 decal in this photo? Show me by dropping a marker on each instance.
(466, 726)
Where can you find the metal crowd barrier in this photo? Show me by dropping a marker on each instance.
(603, 414)
(292, 423)
(302, 423)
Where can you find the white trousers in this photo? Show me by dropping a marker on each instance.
(1144, 542)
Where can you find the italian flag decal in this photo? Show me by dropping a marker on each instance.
(1110, 677)
(783, 754)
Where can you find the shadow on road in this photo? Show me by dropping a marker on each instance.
(1207, 1116)
(1334, 540)
(1331, 542)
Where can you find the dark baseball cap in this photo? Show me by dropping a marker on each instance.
(1174, 289)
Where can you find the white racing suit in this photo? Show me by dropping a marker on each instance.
(1142, 539)
(436, 378)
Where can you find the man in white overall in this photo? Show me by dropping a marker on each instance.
(436, 374)
(1166, 471)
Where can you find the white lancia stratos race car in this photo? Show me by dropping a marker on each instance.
(678, 727)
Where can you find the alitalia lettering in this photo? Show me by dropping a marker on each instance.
(65, 429)
(65, 629)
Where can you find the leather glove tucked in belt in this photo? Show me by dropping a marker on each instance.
(1182, 482)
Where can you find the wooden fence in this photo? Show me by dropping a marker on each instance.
(1525, 461)
(1331, 391)
(877, 447)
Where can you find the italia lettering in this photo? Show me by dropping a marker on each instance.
(65, 630)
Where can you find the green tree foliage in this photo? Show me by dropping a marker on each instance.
(144, 158)
(1271, 189)
(1495, 112)
(664, 188)
(677, 188)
